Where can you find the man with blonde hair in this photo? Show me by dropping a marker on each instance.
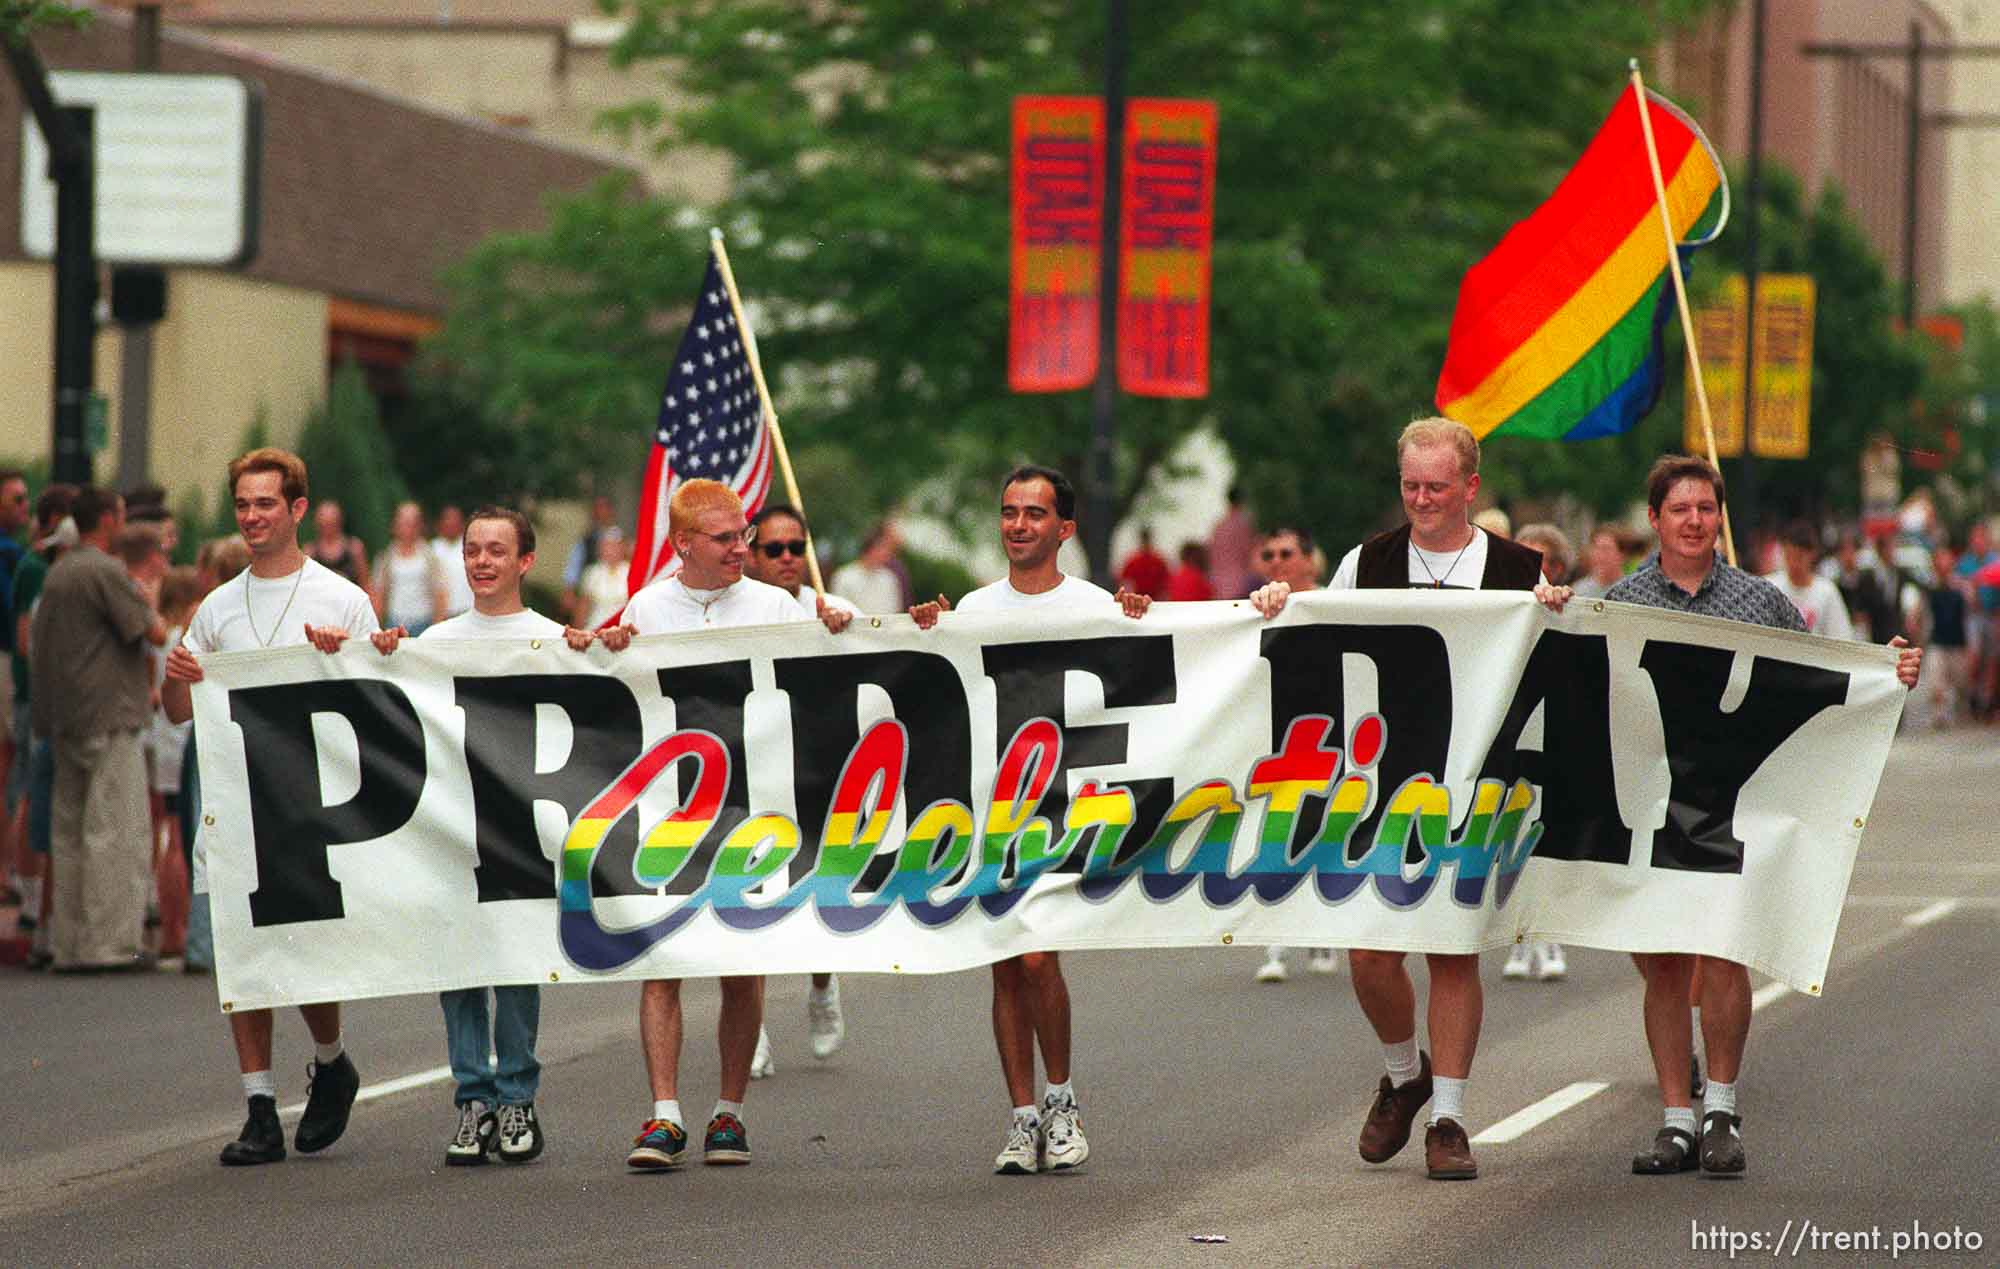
(1438, 549)
(711, 538)
(283, 599)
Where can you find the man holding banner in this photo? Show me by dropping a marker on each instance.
(1438, 549)
(1684, 499)
(283, 599)
(711, 537)
(1030, 997)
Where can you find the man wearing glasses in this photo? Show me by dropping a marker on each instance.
(712, 538)
(1438, 463)
(778, 558)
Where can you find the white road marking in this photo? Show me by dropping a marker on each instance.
(402, 1083)
(1766, 994)
(1529, 1117)
(1936, 912)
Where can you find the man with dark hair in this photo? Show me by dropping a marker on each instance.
(1684, 499)
(870, 581)
(32, 782)
(284, 599)
(92, 698)
(1439, 548)
(1817, 598)
(778, 558)
(492, 1046)
(1030, 998)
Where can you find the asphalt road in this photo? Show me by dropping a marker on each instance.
(1214, 1106)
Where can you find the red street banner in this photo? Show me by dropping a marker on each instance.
(1058, 233)
(1166, 223)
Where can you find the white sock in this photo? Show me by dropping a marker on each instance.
(669, 1110)
(1719, 1097)
(1402, 1061)
(728, 1108)
(260, 1084)
(1028, 1116)
(823, 995)
(326, 1053)
(1681, 1117)
(1059, 1095)
(1447, 1099)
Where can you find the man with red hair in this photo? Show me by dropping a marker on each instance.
(711, 538)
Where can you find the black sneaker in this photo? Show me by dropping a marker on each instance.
(478, 1129)
(1722, 1144)
(330, 1091)
(262, 1139)
(520, 1133)
(727, 1142)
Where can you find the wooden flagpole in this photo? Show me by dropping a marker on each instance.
(764, 399)
(1680, 295)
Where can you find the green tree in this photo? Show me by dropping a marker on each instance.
(21, 18)
(1369, 153)
(348, 456)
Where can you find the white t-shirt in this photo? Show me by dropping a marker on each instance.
(809, 603)
(872, 589)
(602, 589)
(457, 586)
(669, 606)
(1069, 593)
(248, 612)
(525, 624)
(406, 582)
(1457, 570)
(1819, 602)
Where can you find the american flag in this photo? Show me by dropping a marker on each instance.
(711, 426)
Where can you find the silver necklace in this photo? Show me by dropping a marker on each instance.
(1437, 583)
(264, 641)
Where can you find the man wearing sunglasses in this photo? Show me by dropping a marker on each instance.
(1438, 462)
(712, 539)
(778, 558)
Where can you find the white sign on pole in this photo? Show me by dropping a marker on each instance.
(177, 159)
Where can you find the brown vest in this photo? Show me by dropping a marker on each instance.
(1385, 563)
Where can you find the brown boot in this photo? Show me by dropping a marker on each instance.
(1387, 1129)
(1447, 1154)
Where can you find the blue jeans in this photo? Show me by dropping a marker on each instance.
(515, 1017)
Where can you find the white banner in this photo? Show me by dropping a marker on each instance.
(1425, 772)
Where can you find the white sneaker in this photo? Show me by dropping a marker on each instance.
(1521, 962)
(1323, 960)
(824, 1023)
(1063, 1146)
(1022, 1155)
(1554, 968)
(1273, 969)
(761, 1065)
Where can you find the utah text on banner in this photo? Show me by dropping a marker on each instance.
(1430, 773)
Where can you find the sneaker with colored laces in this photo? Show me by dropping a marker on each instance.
(473, 1141)
(661, 1144)
(1022, 1155)
(262, 1139)
(1323, 960)
(727, 1142)
(1520, 962)
(1553, 967)
(825, 1026)
(330, 1091)
(1063, 1144)
(1273, 969)
(762, 1065)
(520, 1133)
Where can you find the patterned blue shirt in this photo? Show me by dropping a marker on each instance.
(1727, 592)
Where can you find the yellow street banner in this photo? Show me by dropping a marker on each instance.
(1781, 427)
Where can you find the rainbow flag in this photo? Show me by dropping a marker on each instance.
(1557, 331)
